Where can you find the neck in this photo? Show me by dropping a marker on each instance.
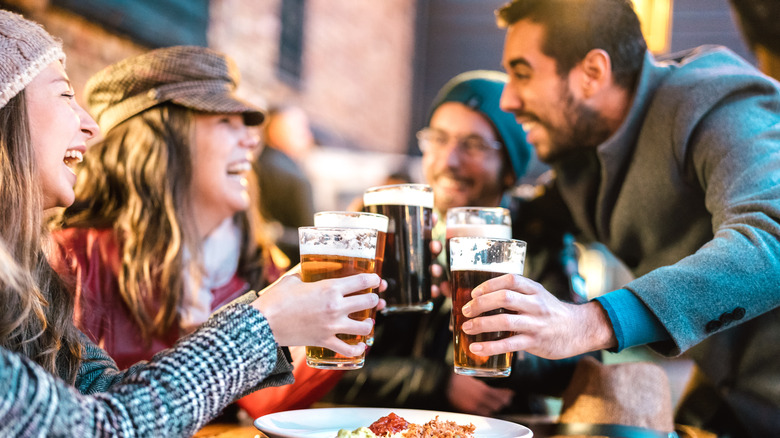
(768, 62)
(615, 106)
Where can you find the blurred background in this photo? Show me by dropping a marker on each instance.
(364, 71)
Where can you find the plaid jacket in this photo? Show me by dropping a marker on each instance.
(172, 395)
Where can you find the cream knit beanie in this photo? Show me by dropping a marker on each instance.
(25, 50)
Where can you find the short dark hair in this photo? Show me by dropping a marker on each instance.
(575, 27)
(759, 22)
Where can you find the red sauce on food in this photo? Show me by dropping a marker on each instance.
(389, 425)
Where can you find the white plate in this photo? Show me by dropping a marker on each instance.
(326, 422)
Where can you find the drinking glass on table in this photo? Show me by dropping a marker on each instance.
(407, 261)
(352, 219)
(328, 252)
(474, 260)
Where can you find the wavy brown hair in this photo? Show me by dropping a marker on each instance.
(137, 181)
(37, 309)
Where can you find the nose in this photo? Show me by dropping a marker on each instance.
(452, 153)
(250, 140)
(88, 125)
(510, 100)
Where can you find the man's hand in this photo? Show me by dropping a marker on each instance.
(473, 396)
(543, 325)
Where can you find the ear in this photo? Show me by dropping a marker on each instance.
(596, 71)
(508, 179)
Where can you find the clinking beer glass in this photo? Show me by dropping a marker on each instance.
(352, 219)
(474, 260)
(406, 266)
(335, 253)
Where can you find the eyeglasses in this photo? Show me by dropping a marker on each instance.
(474, 146)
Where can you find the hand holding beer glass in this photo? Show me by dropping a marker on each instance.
(336, 253)
(351, 219)
(474, 260)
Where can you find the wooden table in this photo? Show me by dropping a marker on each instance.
(229, 431)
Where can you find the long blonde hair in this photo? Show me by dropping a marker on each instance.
(137, 181)
(37, 309)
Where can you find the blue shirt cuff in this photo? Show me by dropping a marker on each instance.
(632, 321)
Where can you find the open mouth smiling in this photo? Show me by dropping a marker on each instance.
(73, 157)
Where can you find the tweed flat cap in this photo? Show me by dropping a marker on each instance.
(194, 77)
(481, 90)
(25, 50)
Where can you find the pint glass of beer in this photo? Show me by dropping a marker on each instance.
(351, 219)
(407, 251)
(474, 260)
(494, 222)
(335, 253)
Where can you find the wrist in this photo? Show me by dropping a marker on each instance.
(598, 327)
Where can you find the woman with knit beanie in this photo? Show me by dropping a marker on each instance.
(56, 382)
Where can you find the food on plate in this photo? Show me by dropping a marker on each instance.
(393, 426)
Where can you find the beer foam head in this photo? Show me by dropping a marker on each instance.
(506, 256)
(400, 194)
(495, 231)
(346, 242)
(479, 215)
(351, 219)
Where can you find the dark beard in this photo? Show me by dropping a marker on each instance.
(586, 128)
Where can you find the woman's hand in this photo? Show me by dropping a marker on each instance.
(313, 313)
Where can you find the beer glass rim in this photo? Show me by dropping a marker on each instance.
(413, 186)
(494, 239)
(470, 208)
(380, 217)
(423, 195)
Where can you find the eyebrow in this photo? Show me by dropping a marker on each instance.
(519, 61)
(61, 79)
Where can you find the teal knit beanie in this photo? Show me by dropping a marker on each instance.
(481, 90)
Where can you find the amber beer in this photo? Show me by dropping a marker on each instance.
(351, 219)
(407, 248)
(335, 253)
(475, 260)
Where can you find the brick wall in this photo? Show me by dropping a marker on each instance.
(356, 62)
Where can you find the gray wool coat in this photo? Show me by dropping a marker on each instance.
(173, 395)
(687, 194)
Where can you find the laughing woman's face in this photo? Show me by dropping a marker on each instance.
(59, 130)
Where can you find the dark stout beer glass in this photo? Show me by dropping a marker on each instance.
(407, 250)
(335, 253)
(474, 260)
(352, 219)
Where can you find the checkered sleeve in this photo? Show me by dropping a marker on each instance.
(174, 394)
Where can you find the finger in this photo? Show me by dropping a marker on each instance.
(437, 270)
(345, 349)
(514, 282)
(356, 303)
(353, 283)
(445, 289)
(349, 326)
(506, 345)
(435, 291)
(502, 322)
(500, 299)
(435, 247)
(382, 285)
